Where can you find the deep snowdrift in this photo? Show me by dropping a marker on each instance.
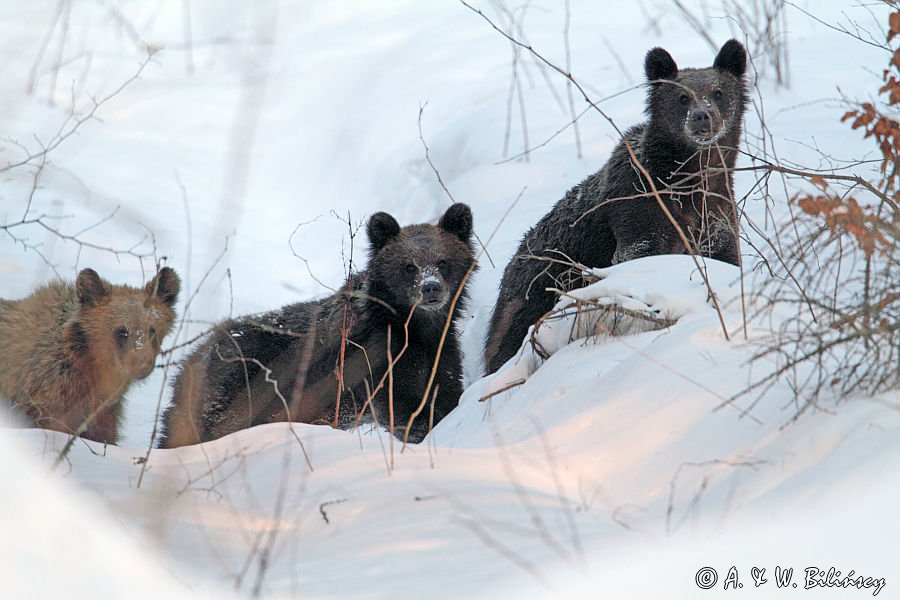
(617, 466)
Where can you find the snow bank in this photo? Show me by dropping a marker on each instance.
(59, 542)
(618, 467)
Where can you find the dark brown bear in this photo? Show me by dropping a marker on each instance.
(70, 352)
(688, 145)
(316, 362)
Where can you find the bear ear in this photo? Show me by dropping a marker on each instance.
(659, 64)
(732, 58)
(165, 286)
(381, 228)
(458, 221)
(90, 289)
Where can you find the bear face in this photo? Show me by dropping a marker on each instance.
(419, 265)
(697, 106)
(121, 326)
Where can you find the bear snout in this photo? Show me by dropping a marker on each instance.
(136, 368)
(139, 360)
(432, 291)
(147, 370)
(700, 119)
(704, 126)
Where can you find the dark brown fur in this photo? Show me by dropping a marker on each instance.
(70, 352)
(688, 147)
(286, 365)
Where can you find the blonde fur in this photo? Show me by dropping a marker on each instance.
(69, 353)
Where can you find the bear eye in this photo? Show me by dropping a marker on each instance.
(684, 99)
(410, 268)
(121, 334)
(152, 332)
(442, 264)
(717, 94)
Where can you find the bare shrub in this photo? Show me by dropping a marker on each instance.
(761, 24)
(838, 277)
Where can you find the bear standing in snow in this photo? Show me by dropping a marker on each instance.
(70, 352)
(318, 362)
(688, 146)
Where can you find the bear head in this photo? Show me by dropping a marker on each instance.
(420, 266)
(122, 327)
(697, 106)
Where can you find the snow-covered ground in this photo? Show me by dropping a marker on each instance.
(243, 149)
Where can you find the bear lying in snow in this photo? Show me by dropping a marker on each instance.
(320, 361)
(688, 146)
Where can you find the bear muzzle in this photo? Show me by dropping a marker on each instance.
(139, 364)
(432, 292)
(704, 127)
(146, 372)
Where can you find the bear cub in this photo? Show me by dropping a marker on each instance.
(319, 361)
(688, 146)
(70, 352)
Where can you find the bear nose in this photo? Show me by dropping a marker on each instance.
(431, 291)
(700, 116)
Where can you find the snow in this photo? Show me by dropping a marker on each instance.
(620, 466)
(59, 541)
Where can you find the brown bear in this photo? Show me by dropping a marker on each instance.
(69, 353)
(688, 146)
(327, 361)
